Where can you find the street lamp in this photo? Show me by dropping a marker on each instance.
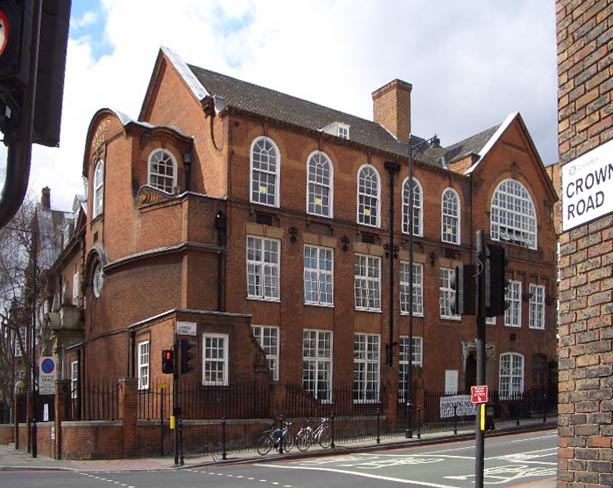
(433, 149)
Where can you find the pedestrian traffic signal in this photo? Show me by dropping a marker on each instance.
(168, 361)
(463, 290)
(187, 356)
(495, 280)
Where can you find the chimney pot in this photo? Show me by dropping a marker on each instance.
(45, 198)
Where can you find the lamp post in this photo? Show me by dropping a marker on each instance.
(433, 143)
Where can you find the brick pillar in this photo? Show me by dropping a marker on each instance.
(62, 406)
(128, 413)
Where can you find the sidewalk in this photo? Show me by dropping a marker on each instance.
(13, 459)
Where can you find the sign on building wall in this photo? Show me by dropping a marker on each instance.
(587, 187)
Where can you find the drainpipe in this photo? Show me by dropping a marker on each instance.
(392, 253)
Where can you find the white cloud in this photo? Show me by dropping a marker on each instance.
(471, 63)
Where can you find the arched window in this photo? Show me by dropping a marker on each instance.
(368, 196)
(417, 208)
(319, 185)
(450, 216)
(511, 375)
(162, 171)
(512, 215)
(98, 188)
(265, 172)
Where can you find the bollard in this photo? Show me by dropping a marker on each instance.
(455, 418)
(280, 432)
(224, 454)
(418, 421)
(544, 407)
(332, 444)
(378, 426)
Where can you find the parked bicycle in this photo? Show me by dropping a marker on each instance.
(280, 438)
(322, 434)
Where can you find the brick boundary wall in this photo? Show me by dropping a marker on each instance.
(585, 108)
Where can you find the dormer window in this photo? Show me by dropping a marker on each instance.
(338, 129)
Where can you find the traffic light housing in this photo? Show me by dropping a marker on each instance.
(463, 286)
(187, 356)
(495, 280)
(168, 361)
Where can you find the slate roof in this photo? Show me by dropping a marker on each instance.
(279, 106)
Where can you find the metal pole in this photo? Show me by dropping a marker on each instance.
(175, 397)
(409, 386)
(480, 344)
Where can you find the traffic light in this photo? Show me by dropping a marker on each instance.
(495, 281)
(15, 46)
(463, 286)
(50, 73)
(187, 356)
(168, 361)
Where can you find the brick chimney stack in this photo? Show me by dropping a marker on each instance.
(392, 108)
(45, 199)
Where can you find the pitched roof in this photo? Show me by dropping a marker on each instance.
(471, 145)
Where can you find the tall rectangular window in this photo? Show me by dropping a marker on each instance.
(215, 359)
(511, 381)
(404, 362)
(512, 315)
(74, 379)
(318, 275)
(418, 288)
(263, 259)
(367, 285)
(143, 365)
(75, 288)
(268, 339)
(317, 363)
(446, 294)
(537, 306)
(366, 368)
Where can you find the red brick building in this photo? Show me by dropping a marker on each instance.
(585, 131)
(278, 229)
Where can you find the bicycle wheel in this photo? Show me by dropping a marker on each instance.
(288, 441)
(303, 440)
(325, 438)
(264, 444)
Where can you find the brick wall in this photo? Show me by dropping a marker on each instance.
(585, 71)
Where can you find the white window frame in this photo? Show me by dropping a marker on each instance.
(368, 196)
(74, 379)
(403, 361)
(166, 181)
(75, 289)
(451, 216)
(342, 130)
(97, 279)
(537, 307)
(513, 215)
(98, 193)
(318, 275)
(418, 288)
(418, 205)
(268, 339)
(263, 268)
(512, 315)
(445, 293)
(320, 185)
(366, 365)
(317, 363)
(367, 283)
(144, 356)
(264, 172)
(511, 375)
(215, 349)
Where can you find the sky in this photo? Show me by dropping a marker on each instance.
(471, 63)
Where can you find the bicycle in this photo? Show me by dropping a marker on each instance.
(280, 438)
(321, 434)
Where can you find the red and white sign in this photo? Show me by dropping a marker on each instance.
(478, 394)
(4, 30)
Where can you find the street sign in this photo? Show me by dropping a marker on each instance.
(478, 394)
(47, 374)
(187, 328)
